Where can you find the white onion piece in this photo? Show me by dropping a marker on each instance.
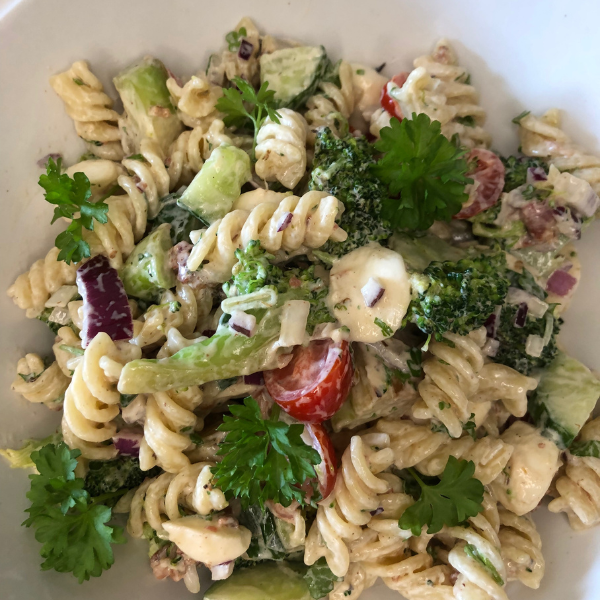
(537, 308)
(490, 348)
(534, 346)
(220, 572)
(242, 323)
(372, 292)
(135, 411)
(62, 296)
(548, 330)
(293, 322)
(263, 298)
(60, 315)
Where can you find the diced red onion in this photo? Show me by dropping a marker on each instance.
(44, 161)
(284, 222)
(491, 325)
(245, 51)
(254, 379)
(560, 283)
(490, 348)
(105, 304)
(537, 308)
(372, 292)
(208, 333)
(178, 81)
(377, 511)
(127, 441)
(242, 323)
(521, 316)
(536, 174)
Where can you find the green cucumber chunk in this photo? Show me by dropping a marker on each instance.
(565, 397)
(294, 73)
(182, 221)
(147, 273)
(266, 581)
(212, 192)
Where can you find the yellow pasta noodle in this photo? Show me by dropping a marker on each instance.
(40, 384)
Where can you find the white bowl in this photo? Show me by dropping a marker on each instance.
(522, 55)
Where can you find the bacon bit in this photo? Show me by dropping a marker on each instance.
(295, 282)
(159, 111)
(139, 184)
(539, 220)
(212, 528)
(560, 283)
(164, 563)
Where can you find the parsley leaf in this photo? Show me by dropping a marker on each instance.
(263, 458)
(587, 448)
(385, 328)
(71, 195)
(456, 497)
(472, 551)
(70, 525)
(425, 168)
(244, 103)
(234, 38)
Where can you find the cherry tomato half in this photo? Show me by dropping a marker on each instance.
(489, 183)
(327, 469)
(315, 383)
(387, 102)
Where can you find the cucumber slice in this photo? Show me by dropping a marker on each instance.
(565, 397)
(266, 581)
(294, 73)
(218, 185)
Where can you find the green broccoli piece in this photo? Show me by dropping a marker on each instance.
(513, 340)
(342, 168)
(516, 170)
(458, 296)
(111, 476)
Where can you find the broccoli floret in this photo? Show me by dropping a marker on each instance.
(516, 170)
(342, 168)
(513, 340)
(107, 477)
(254, 271)
(458, 296)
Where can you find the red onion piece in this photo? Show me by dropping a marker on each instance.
(521, 316)
(242, 323)
(254, 379)
(372, 292)
(105, 304)
(560, 283)
(245, 51)
(44, 161)
(127, 441)
(535, 174)
(284, 222)
(377, 511)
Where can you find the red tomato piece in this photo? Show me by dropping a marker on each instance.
(489, 183)
(313, 386)
(327, 469)
(387, 102)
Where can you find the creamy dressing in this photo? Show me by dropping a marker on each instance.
(347, 278)
(529, 472)
(367, 85)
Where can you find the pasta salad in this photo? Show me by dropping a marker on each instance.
(306, 330)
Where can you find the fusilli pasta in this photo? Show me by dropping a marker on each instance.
(311, 224)
(40, 384)
(90, 108)
(92, 400)
(341, 517)
(66, 359)
(281, 149)
(196, 100)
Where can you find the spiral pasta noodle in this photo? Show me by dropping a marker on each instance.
(196, 100)
(543, 137)
(438, 87)
(521, 548)
(281, 149)
(65, 359)
(40, 384)
(340, 517)
(333, 106)
(32, 289)
(169, 416)
(579, 487)
(92, 400)
(293, 223)
(90, 108)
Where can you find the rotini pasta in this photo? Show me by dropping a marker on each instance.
(66, 359)
(579, 487)
(281, 149)
(90, 108)
(437, 87)
(92, 400)
(543, 137)
(333, 106)
(341, 517)
(521, 548)
(196, 100)
(294, 223)
(40, 384)
(169, 416)
(32, 289)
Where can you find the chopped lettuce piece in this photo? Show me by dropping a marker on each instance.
(21, 458)
(420, 250)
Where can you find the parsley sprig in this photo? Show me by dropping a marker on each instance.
(69, 523)
(263, 459)
(450, 500)
(71, 195)
(426, 169)
(234, 39)
(245, 103)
